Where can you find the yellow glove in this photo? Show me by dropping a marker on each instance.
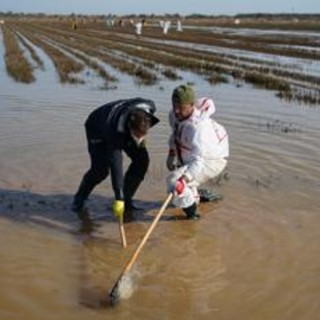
(118, 209)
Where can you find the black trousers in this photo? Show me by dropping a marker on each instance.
(100, 167)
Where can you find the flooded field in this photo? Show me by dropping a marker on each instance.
(254, 255)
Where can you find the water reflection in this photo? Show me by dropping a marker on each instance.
(253, 254)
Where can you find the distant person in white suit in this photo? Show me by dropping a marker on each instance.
(166, 26)
(138, 27)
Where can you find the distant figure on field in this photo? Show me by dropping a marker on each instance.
(179, 26)
(138, 27)
(74, 24)
(166, 26)
(109, 21)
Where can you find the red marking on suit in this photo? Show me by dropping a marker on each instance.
(204, 106)
(218, 136)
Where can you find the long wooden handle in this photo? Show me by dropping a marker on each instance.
(146, 236)
(122, 234)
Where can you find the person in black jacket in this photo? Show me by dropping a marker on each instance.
(112, 128)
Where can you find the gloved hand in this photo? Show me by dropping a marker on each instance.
(171, 162)
(118, 209)
(178, 186)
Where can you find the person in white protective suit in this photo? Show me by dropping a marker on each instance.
(198, 148)
(138, 27)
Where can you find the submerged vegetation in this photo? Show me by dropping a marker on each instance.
(33, 53)
(17, 65)
(213, 54)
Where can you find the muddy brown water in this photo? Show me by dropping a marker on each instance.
(253, 255)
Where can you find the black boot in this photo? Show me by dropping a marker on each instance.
(77, 205)
(131, 184)
(191, 212)
(85, 188)
(128, 216)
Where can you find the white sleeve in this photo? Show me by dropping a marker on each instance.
(206, 107)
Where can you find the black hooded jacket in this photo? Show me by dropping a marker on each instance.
(108, 124)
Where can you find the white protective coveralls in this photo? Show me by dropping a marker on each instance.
(138, 27)
(202, 147)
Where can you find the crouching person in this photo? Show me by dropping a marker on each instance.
(111, 129)
(198, 149)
